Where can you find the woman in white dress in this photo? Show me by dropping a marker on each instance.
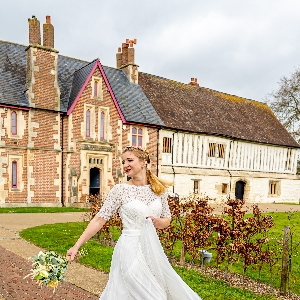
(139, 269)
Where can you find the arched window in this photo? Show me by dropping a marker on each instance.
(88, 123)
(137, 136)
(102, 126)
(96, 88)
(14, 123)
(14, 174)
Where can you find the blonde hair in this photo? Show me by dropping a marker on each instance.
(158, 185)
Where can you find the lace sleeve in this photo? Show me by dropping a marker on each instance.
(165, 212)
(111, 204)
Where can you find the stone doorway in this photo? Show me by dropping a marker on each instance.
(239, 189)
(95, 181)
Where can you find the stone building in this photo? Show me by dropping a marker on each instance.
(64, 123)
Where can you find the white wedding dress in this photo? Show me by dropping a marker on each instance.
(140, 269)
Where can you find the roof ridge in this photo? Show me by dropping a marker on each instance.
(12, 43)
(88, 63)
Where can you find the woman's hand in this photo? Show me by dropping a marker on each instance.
(72, 253)
(94, 226)
(160, 223)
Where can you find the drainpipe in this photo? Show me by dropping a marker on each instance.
(62, 160)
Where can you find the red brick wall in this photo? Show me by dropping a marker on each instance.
(44, 171)
(44, 90)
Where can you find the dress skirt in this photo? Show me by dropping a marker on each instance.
(140, 270)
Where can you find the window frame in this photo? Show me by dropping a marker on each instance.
(196, 187)
(88, 123)
(14, 174)
(138, 135)
(102, 128)
(14, 123)
(274, 188)
(167, 144)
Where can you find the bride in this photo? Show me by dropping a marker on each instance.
(140, 269)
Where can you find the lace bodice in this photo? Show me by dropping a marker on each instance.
(134, 204)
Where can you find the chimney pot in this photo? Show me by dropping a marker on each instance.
(48, 33)
(194, 81)
(34, 31)
(119, 49)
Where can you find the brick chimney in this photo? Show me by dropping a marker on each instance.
(41, 87)
(48, 33)
(125, 60)
(34, 31)
(194, 81)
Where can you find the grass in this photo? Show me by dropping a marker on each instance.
(9, 210)
(60, 237)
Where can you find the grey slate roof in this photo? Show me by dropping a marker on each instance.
(133, 102)
(72, 74)
(67, 66)
(79, 77)
(12, 74)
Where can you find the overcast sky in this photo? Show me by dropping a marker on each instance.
(234, 46)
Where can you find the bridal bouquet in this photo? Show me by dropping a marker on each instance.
(49, 269)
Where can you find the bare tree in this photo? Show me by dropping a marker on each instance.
(285, 103)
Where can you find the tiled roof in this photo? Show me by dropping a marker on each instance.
(72, 74)
(12, 74)
(133, 103)
(67, 67)
(196, 109)
(79, 77)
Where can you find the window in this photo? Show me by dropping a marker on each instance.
(88, 123)
(96, 89)
(288, 159)
(167, 145)
(224, 188)
(14, 174)
(96, 85)
(212, 149)
(14, 123)
(102, 126)
(274, 188)
(221, 150)
(137, 136)
(196, 186)
(216, 150)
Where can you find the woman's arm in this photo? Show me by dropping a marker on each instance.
(94, 226)
(160, 223)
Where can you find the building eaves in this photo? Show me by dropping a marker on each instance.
(196, 109)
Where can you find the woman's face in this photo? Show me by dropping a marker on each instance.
(132, 165)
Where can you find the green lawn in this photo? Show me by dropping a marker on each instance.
(9, 210)
(60, 237)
